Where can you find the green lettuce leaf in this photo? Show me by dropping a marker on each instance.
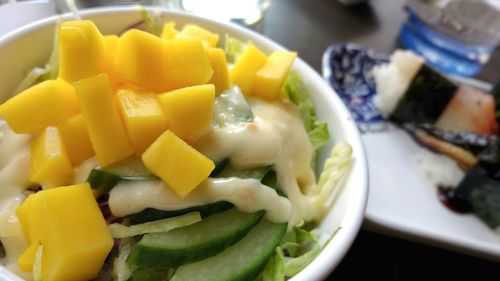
(163, 225)
(335, 167)
(299, 95)
(275, 267)
(153, 24)
(233, 48)
(49, 71)
(297, 250)
(121, 269)
(37, 265)
(295, 265)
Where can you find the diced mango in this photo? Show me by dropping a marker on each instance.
(47, 103)
(76, 139)
(110, 51)
(245, 68)
(81, 50)
(220, 78)
(50, 162)
(157, 65)
(169, 31)
(189, 110)
(186, 63)
(179, 165)
(110, 48)
(27, 258)
(72, 230)
(270, 78)
(144, 117)
(140, 58)
(22, 213)
(106, 129)
(197, 32)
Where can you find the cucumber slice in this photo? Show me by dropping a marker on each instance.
(131, 169)
(151, 214)
(149, 274)
(194, 242)
(219, 167)
(242, 261)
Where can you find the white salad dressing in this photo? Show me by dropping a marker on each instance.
(275, 137)
(14, 173)
(248, 195)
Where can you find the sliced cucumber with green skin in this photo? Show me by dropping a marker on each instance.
(219, 167)
(241, 262)
(149, 274)
(130, 169)
(194, 242)
(151, 214)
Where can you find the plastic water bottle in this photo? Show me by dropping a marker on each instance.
(454, 36)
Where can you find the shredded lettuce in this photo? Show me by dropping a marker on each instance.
(233, 48)
(49, 71)
(163, 225)
(319, 134)
(299, 95)
(152, 22)
(335, 167)
(37, 265)
(275, 268)
(295, 265)
(123, 270)
(297, 250)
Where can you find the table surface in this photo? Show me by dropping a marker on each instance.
(309, 27)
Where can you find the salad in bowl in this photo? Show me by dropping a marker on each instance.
(170, 148)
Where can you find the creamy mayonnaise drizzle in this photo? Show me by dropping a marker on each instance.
(248, 195)
(275, 137)
(14, 173)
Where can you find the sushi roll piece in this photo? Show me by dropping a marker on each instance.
(409, 91)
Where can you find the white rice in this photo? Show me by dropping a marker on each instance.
(440, 170)
(393, 79)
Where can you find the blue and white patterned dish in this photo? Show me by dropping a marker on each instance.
(348, 69)
(401, 201)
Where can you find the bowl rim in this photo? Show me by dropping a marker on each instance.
(332, 253)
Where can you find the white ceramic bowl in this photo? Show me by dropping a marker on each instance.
(30, 46)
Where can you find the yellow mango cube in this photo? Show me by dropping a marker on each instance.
(245, 68)
(169, 31)
(179, 165)
(81, 50)
(189, 110)
(140, 58)
(76, 139)
(144, 117)
(110, 50)
(186, 64)
(220, 78)
(72, 230)
(270, 78)
(27, 258)
(49, 160)
(23, 214)
(197, 32)
(102, 119)
(45, 104)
